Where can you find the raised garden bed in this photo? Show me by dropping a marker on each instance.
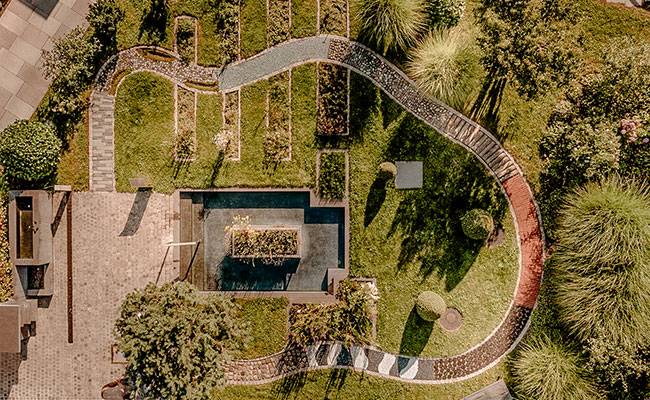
(333, 99)
(266, 243)
(277, 143)
(334, 17)
(186, 38)
(279, 22)
(228, 140)
(304, 18)
(332, 175)
(155, 54)
(185, 143)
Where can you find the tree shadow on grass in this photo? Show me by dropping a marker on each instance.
(416, 334)
(486, 107)
(376, 197)
(154, 21)
(429, 218)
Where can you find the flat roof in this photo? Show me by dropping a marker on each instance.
(10, 335)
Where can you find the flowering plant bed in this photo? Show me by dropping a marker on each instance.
(635, 146)
(265, 242)
(278, 21)
(186, 38)
(277, 143)
(185, 146)
(332, 100)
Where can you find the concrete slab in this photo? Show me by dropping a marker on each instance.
(68, 16)
(5, 95)
(13, 22)
(34, 76)
(10, 61)
(7, 119)
(50, 26)
(409, 175)
(35, 36)
(22, 10)
(7, 37)
(30, 95)
(19, 108)
(25, 50)
(9, 81)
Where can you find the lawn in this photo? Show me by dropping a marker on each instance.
(267, 321)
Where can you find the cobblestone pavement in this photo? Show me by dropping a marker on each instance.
(106, 266)
(447, 122)
(26, 28)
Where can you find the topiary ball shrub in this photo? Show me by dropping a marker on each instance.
(430, 306)
(29, 150)
(445, 13)
(477, 224)
(387, 170)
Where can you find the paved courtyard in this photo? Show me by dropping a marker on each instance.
(110, 258)
(26, 28)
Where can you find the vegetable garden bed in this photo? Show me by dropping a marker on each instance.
(264, 242)
(228, 140)
(279, 21)
(333, 99)
(277, 143)
(334, 17)
(185, 144)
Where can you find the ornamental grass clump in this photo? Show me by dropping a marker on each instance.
(29, 150)
(548, 371)
(430, 306)
(477, 224)
(391, 24)
(603, 261)
(443, 65)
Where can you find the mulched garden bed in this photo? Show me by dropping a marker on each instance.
(278, 21)
(333, 99)
(185, 146)
(277, 143)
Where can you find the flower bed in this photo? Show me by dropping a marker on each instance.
(185, 146)
(334, 17)
(186, 38)
(332, 100)
(277, 143)
(6, 279)
(332, 176)
(635, 146)
(228, 140)
(265, 242)
(278, 22)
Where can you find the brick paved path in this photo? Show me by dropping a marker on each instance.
(106, 266)
(25, 30)
(444, 119)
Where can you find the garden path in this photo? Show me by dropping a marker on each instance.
(26, 30)
(447, 121)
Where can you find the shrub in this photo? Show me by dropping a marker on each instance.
(185, 39)
(443, 66)
(635, 147)
(477, 224)
(430, 306)
(391, 24)
(445, 13)
(332, 176)
(348, 320)
(545, 370)
(177, 340)
(603, 261)
(387, 170)
(103, 17)
(29, 150)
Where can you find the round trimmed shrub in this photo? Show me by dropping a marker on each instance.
(477, 224)
(445, 13)
(430, 306)
(387, 170)
(29, 150)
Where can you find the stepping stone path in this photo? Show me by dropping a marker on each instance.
(447, 121)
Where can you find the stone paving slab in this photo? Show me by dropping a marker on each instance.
(26, 28)
(106, 266)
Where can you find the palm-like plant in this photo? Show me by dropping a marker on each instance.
(545, 370)
(443, 66)
(603, 261)
(391, 24)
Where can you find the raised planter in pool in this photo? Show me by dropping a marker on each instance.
(208, 216)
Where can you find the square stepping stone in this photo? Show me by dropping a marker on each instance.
(409, 175)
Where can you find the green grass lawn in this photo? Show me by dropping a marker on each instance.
(303, 19)
(73, 167)
(267, 321)
(253, 27)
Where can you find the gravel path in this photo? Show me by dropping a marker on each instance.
(447, 121)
